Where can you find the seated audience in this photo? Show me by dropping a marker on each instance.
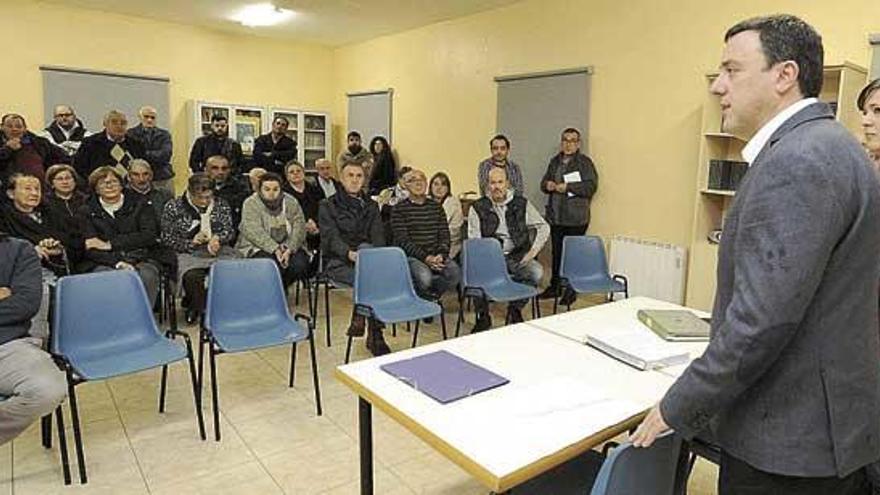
(350, 221)
(441, 192)
(216, 143)
(231, 189)
(198, 227)
(140, 183)
(508, 217)
(112, 146)
(384, 165)
(420, 229)
(326, 181)
(273, 226)
(66, 131)
(308, 196)
(253, 177)
(120, 230)
(354, 153)
(273, 150)
(29, 378)
(63, 195)
(22, 151)
(500, 148)
(157, 148)
(869, 103)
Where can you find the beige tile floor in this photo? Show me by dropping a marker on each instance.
(272, 440)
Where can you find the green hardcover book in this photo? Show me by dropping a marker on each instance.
(675, 324)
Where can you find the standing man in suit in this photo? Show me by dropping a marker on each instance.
(157, 148)
(112, 146)
(272, 151)
(789, 384)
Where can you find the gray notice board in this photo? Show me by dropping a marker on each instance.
(875, 61)
(93, 93)
(533, 109)
(369, 113)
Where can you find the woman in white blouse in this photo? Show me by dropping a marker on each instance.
(441, 192)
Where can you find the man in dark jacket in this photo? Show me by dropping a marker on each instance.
(216, 143)
(272, 151)
(28, 377)
(233, 190)
(570, 183)
(349, 221)
(66, 131)
(141, 183)
(112, 146)
(22, 151)
(157, 148)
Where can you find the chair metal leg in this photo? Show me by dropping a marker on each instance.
(62, 443)
(214, 394)
(460, 316)
(327, 309)
(408, 328)
(415, 333)
(292, 364)
(348, 349)
(46, 430)
(77, 433)
(197, 390)
(394, 329)
(555, 302)
(365, 436)
(315, 381)
(296, 293)
(201, 375)
(162, 386)
(443, 320)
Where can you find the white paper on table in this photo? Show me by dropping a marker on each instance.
(533, 422)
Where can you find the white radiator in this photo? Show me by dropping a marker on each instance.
(653, 269)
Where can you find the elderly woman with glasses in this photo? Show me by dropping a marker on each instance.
(199, 228)
(120, 230)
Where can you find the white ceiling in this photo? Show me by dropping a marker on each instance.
(326, 22)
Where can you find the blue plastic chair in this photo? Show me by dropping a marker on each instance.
(484, 274)
(626, 470)
(383, 289)
(584, 269)
(321, 278)
(247, 310)
(103, 327)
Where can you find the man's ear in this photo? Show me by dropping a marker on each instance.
(787, 76)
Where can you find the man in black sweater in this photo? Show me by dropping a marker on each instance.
(216, 143)
(272, 151)
(421, 230)
(28, 377)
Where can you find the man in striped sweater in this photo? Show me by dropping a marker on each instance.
(420, 229)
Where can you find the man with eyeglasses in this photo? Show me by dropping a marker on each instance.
(66, 131)
(157, 148)
(420, 229)
(570, 183)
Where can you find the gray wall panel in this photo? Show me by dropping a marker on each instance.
(370, 114)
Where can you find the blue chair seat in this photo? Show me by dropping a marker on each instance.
(258, 333)
(158, 353)
(509, 291)
(596, 284)
(399, 310)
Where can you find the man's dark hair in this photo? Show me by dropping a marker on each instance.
(571, 130)
(866, 93)
(281, 117)
(351, 164)
(219, 117)
(502, 137)
(786, 37)
(13, 116)
(352, 134)
(270, 177)
(199, 182)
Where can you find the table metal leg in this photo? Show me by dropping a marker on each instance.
(365, 414)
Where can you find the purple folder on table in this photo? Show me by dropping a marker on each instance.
(443, 376)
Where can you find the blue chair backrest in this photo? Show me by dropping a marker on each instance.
(629, 470)
(381, 275)
(583, 256)
(242, 293)
(484, 263)
(97, 314)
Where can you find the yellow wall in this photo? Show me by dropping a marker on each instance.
(201, 63)
(649, 58)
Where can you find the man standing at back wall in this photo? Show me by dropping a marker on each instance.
(499, 146)
(157, 148)
(790, 381)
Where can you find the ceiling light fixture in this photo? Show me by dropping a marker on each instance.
(262, 14)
